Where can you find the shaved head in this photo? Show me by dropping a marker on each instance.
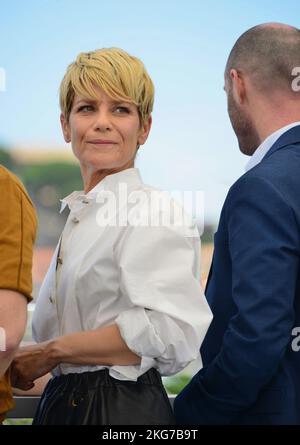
(268, 54)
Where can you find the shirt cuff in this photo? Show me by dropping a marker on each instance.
(139, 334)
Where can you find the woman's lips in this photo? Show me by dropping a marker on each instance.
(101, 142)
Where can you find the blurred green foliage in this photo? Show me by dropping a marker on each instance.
(175, 384)
(63, 177)
(6, 159)
(58, 179)
(46, 183)
(17, 422)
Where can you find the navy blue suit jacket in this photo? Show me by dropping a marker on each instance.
(251, 372)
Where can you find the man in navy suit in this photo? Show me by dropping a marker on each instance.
(251, 356)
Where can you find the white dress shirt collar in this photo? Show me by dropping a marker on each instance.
(131, 176)
(265, 146)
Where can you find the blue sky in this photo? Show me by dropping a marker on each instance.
(184, 45)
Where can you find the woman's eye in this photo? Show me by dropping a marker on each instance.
(85, 108)
(122, 110)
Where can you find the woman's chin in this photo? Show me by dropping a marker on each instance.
(104, 162)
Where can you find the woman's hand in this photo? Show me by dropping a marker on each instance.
(30, 363)
(102, 346)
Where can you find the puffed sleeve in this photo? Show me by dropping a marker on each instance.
(159, 271)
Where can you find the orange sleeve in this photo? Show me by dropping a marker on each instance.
(18, 225)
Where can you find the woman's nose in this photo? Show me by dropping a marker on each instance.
(103, 121)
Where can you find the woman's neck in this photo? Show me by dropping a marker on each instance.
(92, 177)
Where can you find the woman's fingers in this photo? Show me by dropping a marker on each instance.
(25, 385)
(28, 385)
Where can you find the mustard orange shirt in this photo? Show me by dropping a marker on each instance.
(18, 224)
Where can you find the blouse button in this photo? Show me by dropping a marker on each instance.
(75, 219)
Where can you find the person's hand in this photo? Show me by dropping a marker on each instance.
(30, 363)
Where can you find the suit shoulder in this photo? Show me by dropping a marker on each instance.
(259, 191)
(283, 163)
(278, 173)
(246, 182)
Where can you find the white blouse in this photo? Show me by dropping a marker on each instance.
(113, 266)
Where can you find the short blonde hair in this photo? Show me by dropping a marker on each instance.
(120, 75)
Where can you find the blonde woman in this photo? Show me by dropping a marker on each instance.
(121, 303)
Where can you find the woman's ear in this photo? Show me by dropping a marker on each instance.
(65, 128)
(144, 130)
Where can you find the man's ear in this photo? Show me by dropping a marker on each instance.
(238, 86)
(144, 131)
(65, 128)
